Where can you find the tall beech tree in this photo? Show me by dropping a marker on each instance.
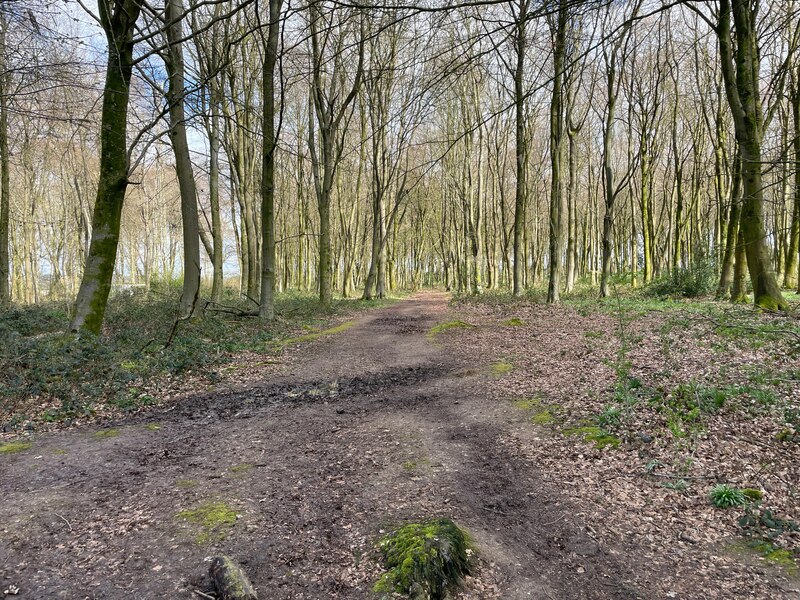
(118, 20)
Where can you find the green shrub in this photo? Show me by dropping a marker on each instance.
(696, 280)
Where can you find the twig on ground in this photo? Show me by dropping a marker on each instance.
(65, 521)
(204, 595)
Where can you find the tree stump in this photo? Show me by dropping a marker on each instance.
(230, 580)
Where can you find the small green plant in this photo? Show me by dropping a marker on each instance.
(725, 496)
(764, 523)
(679, 485)
(424, 560)
(610, 416)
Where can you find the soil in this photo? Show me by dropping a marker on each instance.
(365, 430)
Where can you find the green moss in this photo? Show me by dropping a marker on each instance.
(14, 447)
(60, 451)
(106, 433)
(544, 417)
(753, 495)
(543, 413)
(596, 335)
(152, 427)
(213, 519)
(601, 438)
(242, 468)
(424, 560)
(185, 484)
(771, 304)
(318, 334)
(775, 555)
(410, 465)
(514, 322)
(442, 327)
(500, 368)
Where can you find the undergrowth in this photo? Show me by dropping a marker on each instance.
(48, 375)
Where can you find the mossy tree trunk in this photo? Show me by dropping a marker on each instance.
(118, 19)
(740, 69)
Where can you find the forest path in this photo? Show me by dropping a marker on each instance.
(372, 426)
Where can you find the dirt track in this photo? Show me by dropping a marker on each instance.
(371, 427)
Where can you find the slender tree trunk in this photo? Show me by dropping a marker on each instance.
(790, 273)
(726, 269)
(5, 192)
(521, 149)
(267, 296)
(118, 18)
(173, 15)
(557, 156)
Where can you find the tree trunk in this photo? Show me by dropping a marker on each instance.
(173, 15)
(5, 192)
(521, 149)
(790, 273)
(726, 269)
(118, 18)
(556, 157)
(266, 310)
(742, 89)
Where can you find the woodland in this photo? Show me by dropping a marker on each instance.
(280, 271)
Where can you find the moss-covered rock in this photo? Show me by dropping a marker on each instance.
(230, 580)
(424, 560)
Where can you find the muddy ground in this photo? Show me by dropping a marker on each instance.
(367, 429)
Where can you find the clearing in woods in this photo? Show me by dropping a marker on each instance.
(297, 477)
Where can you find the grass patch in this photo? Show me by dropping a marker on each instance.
(500, 368)
(595, 435)
(242, 468)
(442, 327)
(14, 447)
(104, 434)
(213, 519)
(543, 414)
(424, 560)
(514, 322)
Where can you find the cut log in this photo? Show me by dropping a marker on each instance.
(230, 580)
